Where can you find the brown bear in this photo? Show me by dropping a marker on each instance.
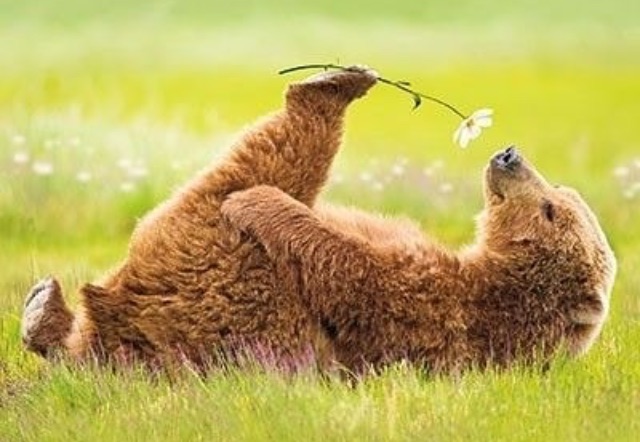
(192, 286)
(537, 280)
(351, 287)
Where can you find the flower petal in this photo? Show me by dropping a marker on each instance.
(483, 121)
(465, 137)
(456, 135)
(458, 132)
(480, 113)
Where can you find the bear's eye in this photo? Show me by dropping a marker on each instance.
(548, 210)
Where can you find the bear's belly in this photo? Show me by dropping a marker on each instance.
(230, 304)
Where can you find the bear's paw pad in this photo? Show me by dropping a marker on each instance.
(42, 302)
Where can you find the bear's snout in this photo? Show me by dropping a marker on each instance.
(507, 159)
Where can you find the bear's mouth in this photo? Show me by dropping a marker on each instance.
(509, 175)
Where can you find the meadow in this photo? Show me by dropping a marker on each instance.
(105, 110)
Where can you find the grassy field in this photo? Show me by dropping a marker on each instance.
(104, 110)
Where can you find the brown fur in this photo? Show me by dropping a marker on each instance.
(537, 280)
(192, 285)
(352, 287)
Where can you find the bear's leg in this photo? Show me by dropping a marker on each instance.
(328, 261)
(46, 320)
(294, 148)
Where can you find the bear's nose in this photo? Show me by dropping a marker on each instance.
(507, 159)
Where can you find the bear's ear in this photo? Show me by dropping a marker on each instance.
(548, 210)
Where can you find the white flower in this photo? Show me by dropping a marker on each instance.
(397, 170)
(621, 171)
(125, 163)
(629, 194)
(42, 168)
(83, 176)
(378, 186)
(21, 157)
(446, 188)
(471, 127)
(138, 172)
(127, 187)
(18, 139)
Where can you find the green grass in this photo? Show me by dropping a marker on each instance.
(143, 96)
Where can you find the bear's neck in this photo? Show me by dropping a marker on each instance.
(511, 310)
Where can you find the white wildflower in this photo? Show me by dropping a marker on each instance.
(125, 163)
(42, 168)
(629, 194)
(366, 177)
(398, 170)
(74, 141)
(138, 172)
(446, 188)
(127, 187)
(621, 172)
(18, 139)
(471, 127)
(378, 186)
(84, 176)
(21, 157)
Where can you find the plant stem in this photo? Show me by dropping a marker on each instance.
(402, 85)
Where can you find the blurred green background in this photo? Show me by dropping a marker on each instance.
(106, 108)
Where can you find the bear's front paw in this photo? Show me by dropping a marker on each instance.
(345, 84)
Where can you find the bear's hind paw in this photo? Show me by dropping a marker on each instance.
(46, 320)
(349, 83)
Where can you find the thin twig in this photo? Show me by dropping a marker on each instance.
(402, 85)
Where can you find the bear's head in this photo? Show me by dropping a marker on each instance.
(552, 242)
